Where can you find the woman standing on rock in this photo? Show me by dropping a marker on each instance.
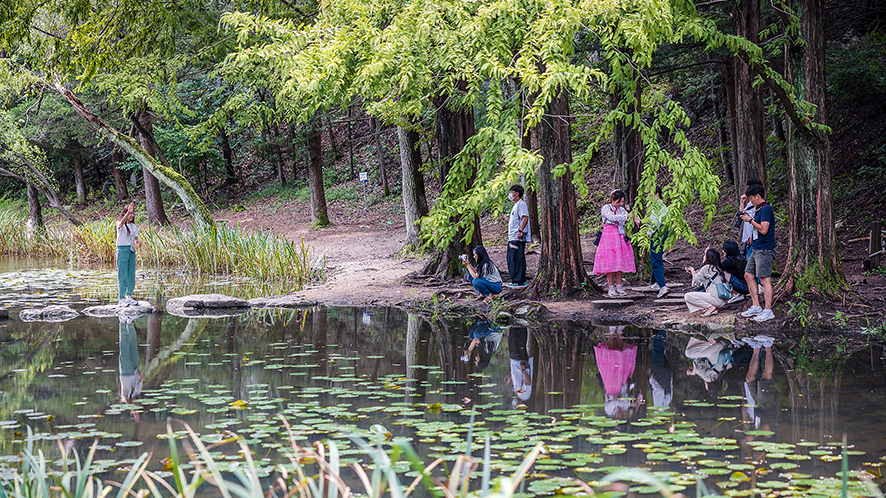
(615, 255)
(127, 237)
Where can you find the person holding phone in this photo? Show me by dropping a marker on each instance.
(127, 238)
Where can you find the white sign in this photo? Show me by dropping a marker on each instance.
(364, 177)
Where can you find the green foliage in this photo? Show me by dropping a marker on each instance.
(799, 312)
(16, 238)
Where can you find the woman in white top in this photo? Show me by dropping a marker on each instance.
(706, 277)
(615, 255)
(127, 237)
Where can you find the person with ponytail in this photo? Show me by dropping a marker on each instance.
(127, 237)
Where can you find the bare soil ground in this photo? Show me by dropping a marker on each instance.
(364, 267)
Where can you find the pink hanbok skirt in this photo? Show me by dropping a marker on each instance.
(615, 366)
(614, 253)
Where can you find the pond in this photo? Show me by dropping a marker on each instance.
(599, 396)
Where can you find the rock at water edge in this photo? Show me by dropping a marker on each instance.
(53, 313)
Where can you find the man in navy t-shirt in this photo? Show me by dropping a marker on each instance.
(763, 254)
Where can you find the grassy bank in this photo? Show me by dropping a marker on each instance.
(218, 250)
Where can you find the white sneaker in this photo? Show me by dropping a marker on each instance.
(130, 301)
(123, 302)
(735, 299)
(620, 290)
(612, 292)
(764, 316)
(654, 286)
(752, 311)
(664, 291)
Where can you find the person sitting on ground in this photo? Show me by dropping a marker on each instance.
(706, 277)
(485, 277)
(733, 270)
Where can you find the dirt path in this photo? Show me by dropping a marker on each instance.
(363, 267)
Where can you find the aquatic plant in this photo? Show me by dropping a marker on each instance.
(16, 238)
(211, 250)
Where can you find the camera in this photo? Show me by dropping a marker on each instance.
(738, 220)
(463, 257)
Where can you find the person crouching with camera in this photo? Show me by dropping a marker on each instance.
(485, 277)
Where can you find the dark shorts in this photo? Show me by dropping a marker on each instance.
(760, 263)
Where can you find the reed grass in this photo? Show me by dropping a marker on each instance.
(312, 472)
(17, 239)
(217, 250)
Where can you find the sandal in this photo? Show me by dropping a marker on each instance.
(709, 313)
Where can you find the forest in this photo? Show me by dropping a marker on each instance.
(196, 105)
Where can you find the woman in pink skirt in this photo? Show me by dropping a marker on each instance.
(614, 253)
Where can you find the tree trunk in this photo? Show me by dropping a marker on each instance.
(278, 152)
(35, 210)
(228, 155)
(293, 151)
(813, 261)
(415, 203)
(120, 189)
(351, 144)
(749, 139)
(45, 187)
(628, 149)
(531, 195)
(332, 143)
(560, 265)
(319, 213)
(381, 155)
(719, 99)
(153, 200)
(79, 181)
(454, 128)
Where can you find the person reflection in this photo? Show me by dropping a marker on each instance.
(130, 379)
(661, 380)
(761, 396)
(483, 339)
(522, 365)
(710, 358)
(616, 362)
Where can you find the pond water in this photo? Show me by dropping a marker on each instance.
(599, 396)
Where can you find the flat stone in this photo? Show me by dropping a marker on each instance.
(670, 301)
(650, 290)
(109, 310)
(207, 306)
(284, 301)
(53, 313)
(603, 304)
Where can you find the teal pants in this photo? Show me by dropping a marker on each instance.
(125, 271)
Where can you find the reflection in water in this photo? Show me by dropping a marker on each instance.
(761, 393)
(522, 364)
(710, 358)
(616, 361)
(661, 380)
(332, 372)
(131, 380)
(483, 339)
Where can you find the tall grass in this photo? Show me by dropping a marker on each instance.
(16, 239)
(219, 250)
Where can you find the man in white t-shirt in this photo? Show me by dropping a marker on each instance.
(518, 235)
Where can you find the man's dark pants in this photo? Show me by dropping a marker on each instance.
(517, 261)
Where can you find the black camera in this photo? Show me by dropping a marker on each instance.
(738, 220)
